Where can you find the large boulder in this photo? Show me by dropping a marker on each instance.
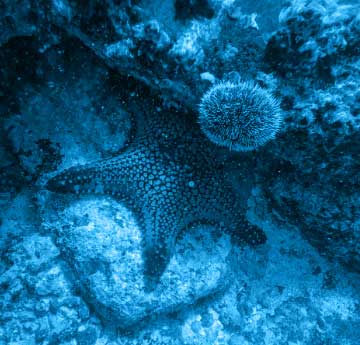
(103, 245)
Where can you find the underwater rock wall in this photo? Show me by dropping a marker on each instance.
(75, 74)
(316, 51)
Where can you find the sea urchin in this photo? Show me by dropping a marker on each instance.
(241, 116)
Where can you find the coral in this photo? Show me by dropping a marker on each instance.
(316, 185)
(240, 116)
(36, 295)
(314, 36)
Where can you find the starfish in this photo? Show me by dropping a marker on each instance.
(170, 178)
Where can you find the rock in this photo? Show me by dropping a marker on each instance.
(195, 332)
(87, 335)
(322, 33)
(34, 254)
(36, 297)
(49, 283)
(285, 283)
(102, 243)
(17, 217)
(156, 34)
(65, 136)
(208, 76)
(119, 49)
(313, 178)
(20, 19)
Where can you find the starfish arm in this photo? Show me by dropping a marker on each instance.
(231, 216)
(215, 201)
(111, 176)
(246, 233)
(161, 229)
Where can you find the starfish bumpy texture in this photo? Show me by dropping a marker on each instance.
(170, 179)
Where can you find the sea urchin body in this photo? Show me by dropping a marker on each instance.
(240, 116)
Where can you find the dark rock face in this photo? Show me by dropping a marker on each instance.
(316, 182)
(188, 9)
(165, 54)
(22, 18)
(73, 77)
(313, 39)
